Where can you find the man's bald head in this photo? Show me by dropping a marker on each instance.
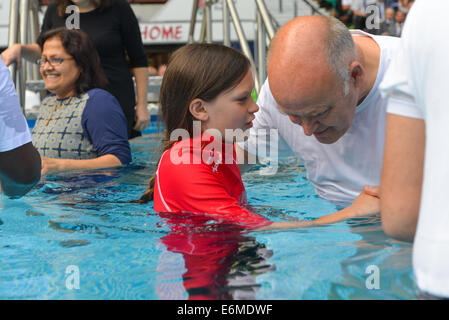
(309, 51)
(315, 77)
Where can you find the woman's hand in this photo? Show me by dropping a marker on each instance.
(143, 118)
(142, 114)
(50, 165)
(13, 54)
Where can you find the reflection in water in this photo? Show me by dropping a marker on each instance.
(391, 258)
(218, 260)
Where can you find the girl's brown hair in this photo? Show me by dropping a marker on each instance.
(63, 4)
(195, 71)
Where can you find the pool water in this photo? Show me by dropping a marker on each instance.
(76, 236)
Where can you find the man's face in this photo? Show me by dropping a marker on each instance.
(389, 14)
(399, 17)
(326, 115)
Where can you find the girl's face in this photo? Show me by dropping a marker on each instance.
(232, 109)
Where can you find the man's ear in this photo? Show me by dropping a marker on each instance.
(357, 73)
(198, 110)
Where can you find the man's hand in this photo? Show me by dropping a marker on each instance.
(372, 191)
(367, 203)
(143, 118)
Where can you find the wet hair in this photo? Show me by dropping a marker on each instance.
(195, 71)
(100, 5)
(78, 44)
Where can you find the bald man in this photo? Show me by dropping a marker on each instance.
(322, 97)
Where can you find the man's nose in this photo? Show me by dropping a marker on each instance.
(309, 125)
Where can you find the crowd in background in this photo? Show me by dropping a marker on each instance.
(379, 17)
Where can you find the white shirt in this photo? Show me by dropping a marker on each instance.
(418, 86)
(338, 171)
(14, 130)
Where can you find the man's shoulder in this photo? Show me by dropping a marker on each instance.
(265, 98)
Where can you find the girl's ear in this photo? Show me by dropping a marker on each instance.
(198, 110)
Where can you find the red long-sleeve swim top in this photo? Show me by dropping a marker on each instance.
(196, 177)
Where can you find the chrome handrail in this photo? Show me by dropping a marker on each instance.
(22, 14)
(265, 29)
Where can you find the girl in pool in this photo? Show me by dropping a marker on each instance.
(210, 85)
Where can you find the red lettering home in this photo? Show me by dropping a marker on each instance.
(167, 34)
(145, 33)
(178, 33)
(155, 32)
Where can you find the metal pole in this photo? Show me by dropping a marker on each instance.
(226, 25)
(34, 27)
(203, 27)
(24, 14)
(242, 39)
(208, 16)
(265, 17)
(193, 21)
(261, 45)
(13, 31)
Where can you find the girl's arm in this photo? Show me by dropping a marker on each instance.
(364, 205)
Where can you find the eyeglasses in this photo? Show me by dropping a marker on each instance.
(52, 61)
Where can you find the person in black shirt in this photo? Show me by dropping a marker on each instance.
(113, 27)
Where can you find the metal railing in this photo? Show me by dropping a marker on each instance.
(265, 32)
(23, 29)
(312, 7)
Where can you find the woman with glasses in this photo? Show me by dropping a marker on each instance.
(79, 125)
(114, 30)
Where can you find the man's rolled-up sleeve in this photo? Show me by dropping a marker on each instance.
(397, 88)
